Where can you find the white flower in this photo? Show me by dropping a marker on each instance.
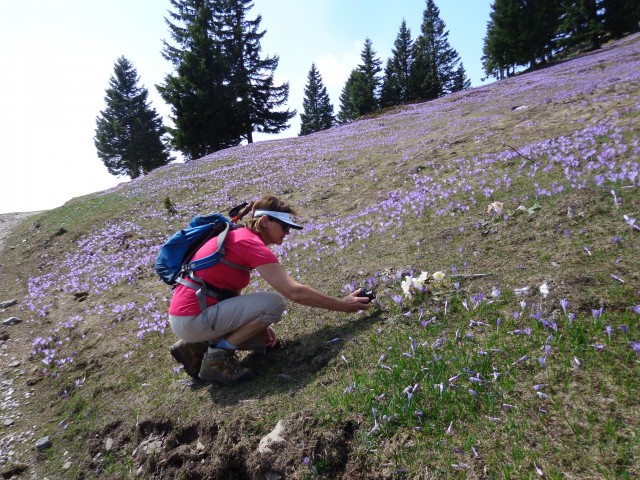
(496, 207)
(438, 276)
(423, 276)
(406, 286)
(544, 290)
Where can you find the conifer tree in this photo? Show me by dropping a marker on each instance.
(351, 92)
(581, 24)
(318, 111)
(621, 17)
(370, 68)
(129, 133)
(360, 93)
(203, 105)
(460, 80)
(501, 42)
(435, 62)
(538, 22)
(252, 75)
(222, 89)
(395, 85)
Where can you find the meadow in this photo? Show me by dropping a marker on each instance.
(500, 229)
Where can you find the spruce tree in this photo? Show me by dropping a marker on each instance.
(360, 93)
(222, 90)
(581, 24)
(395, 85)
(435, 62)
(129, 133)
(370, 68)
(460, 80)
(349, 96)
(621, 17)
(318, 111)
(538, 22)
(204, 107)
(251, 75)
(501, 42)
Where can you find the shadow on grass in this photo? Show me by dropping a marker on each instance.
(292, 365)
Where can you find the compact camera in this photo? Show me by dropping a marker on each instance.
(370, 294)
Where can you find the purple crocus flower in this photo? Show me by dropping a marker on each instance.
(635, 346)
(636, 309)
(597, 312)
(376, 425)
(564, 303)
(623, 329)
(609, 331)
(521, 359)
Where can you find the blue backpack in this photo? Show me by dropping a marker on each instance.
(174, 265)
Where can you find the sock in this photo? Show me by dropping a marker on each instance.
(226, 345)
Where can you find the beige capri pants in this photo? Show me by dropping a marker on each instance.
(229, 315)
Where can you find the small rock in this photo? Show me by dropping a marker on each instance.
(11, 321)
(108, 445)
(14, 364)
(8, 303)
(43, 444)
(8, 422)
(67, 465)
(200, 447)
(274, 437)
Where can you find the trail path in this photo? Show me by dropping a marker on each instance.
(10, 220)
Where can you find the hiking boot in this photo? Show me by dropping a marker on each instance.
(189, 355)
(218, 365)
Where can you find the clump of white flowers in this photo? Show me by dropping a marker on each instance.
(496, 207)
(420, 284)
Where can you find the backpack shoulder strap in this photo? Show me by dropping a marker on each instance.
(215, 257)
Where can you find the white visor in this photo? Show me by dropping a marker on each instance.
(282, 216)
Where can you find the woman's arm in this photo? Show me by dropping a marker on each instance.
(297, 292)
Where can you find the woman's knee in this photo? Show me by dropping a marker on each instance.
(279, 304)
(275, 306)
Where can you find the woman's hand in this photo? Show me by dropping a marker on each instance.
(357, 303)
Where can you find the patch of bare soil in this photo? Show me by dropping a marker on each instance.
(210, 449)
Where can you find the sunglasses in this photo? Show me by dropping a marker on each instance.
(285, 226)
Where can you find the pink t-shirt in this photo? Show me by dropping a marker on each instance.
(243, 247)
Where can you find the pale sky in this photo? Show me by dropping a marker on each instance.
(57, 58)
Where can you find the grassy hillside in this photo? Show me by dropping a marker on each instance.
(522, 362)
